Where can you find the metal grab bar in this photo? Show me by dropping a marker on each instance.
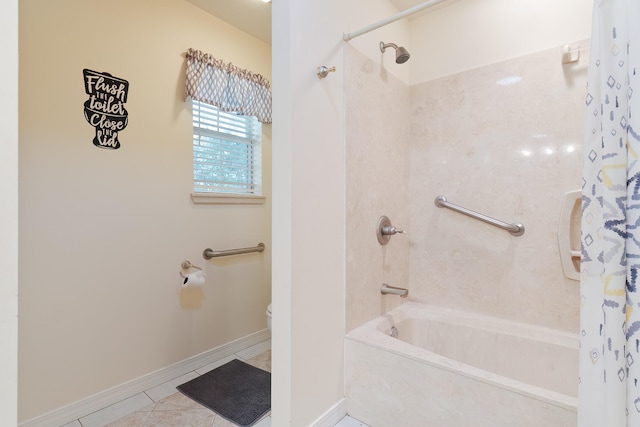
(210, 253)
(516, 229)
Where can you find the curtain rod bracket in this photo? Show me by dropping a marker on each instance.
(323, 71)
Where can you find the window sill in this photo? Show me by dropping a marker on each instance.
(226, 199)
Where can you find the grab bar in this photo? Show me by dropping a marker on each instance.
(210, 253)
(516, 229)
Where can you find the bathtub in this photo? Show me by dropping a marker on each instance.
(448, 368)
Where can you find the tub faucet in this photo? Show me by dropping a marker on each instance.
(392, 290)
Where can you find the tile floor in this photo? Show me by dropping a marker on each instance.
(164, 406)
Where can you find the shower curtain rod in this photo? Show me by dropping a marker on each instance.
(389, 20)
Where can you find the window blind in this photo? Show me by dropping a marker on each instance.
(226, 151)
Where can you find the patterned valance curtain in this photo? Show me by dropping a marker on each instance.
(226, 86)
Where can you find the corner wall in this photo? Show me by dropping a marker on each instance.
(505, 147)
(9, 213)
(377, 143)
(462, 35)
(463, 127)
(310, 204)
(103, 232)
(504, 140)
(308, 217)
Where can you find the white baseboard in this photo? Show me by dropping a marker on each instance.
(105, 398)
(333, 415)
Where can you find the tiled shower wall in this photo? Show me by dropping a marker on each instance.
(377, 142)
(504, 140)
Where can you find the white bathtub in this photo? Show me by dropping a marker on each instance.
(456, 369)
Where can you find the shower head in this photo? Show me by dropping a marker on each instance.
(402, 55)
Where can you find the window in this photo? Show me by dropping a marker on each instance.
(226, 152)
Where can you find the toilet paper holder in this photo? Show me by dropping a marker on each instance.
(194, 278)
(186, 265)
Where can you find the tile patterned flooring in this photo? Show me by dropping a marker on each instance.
(164, 406)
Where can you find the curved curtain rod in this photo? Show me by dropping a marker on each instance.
(348, 36)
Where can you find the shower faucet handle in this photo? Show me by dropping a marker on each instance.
(390, 230)
(385, 230)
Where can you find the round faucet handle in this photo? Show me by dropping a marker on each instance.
(391, 230)
(384, 230)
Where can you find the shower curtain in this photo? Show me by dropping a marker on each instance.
(609, 392)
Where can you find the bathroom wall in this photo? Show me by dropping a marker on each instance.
(504, 140)
(376, 134)
(462, 35)
(377, 107)
(103, 232)
(467, 135)
(9, 213)
(496, 126)
(309, 205)
(363, 13)
(308, 217)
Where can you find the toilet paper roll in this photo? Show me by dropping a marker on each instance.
(193, 279)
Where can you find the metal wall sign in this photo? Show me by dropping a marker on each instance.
(104, 110)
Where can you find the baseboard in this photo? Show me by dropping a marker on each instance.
(333, 415)
(81, 408)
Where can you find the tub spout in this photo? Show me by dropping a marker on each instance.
(392, 290)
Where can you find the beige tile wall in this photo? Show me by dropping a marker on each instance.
(504, 140)
(377, 108)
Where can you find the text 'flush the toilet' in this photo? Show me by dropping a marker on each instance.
(104, 110)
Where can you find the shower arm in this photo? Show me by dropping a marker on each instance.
(349, 36)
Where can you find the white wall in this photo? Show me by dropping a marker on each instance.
(309, 198)
(308, 217)
(452, 37)
(466, 34)
(103, 233)
(510, 151)
(459, 52)
(306, 39)
(9, 212)
(377, 119)
(361, 14)
(467, 141)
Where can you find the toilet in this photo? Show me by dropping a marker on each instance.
(269, 317)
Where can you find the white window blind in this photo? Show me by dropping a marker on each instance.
(226, 151)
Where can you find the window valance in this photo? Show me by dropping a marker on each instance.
(226, 86)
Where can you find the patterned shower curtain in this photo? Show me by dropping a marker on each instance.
(609, 392)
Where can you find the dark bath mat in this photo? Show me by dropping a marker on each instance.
(239, 392)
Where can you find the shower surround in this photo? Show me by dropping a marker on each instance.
(378, 167)
(504, 140)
